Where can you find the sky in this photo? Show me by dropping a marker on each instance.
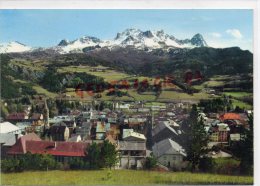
(45, 28)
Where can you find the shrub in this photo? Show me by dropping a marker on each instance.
(10, 165)
(206, 164)
(150, 162)
(78, 163)
(226, 166)
(29, 161)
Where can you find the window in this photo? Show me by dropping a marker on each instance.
(164, 157)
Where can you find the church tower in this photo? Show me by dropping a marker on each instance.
(46, 114)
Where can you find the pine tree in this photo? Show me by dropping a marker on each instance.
(94, 155)
(197, 139)
(109, 154)
(247, 148)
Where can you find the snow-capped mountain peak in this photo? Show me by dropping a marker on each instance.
(14, 46)
(63, 42)
(198, 40)
(135, 38)
(77, 45)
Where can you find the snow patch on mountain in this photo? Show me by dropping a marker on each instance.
(135, 38)
(13, 47)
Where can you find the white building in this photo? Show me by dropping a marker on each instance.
(170, 154)
(9, 128)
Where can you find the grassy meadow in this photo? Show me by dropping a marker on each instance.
(118, 177)
(169, 93)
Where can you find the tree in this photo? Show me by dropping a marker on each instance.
(4, 111)
(47, 162)
(29, 161)
(76, 81)
(150, 162)
(109, 154)
(94, 155)
(247, 152)
(77, 163)
(197, 138)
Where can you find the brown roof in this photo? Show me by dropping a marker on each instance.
(58, 128)
(36, 116)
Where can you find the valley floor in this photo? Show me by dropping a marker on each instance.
(119, 177)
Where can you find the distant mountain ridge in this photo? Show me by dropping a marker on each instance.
(135, 38)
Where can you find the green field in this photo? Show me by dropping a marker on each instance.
(238, 94)
(41, 90)
(180, 95)
(108, 75)
(241, 104)
(119, 177)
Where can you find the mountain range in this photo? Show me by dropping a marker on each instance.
(134, 38)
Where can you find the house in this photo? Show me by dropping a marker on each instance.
(132, 154)
(170, 154)
(7, 141)
(219, 132)
(17, 117)
(57, 119)
(163, 131)
(101, 130)
(24, 126)
(20, 143)
(62, 151)
(235, 137)
(229, 116)
(112, 117)
(71, 124)
(9, 128)
(36, 116)
(137, 123)
(75, 138)
(37, 119)
(123, 106)
(130, 135)
(143, 109)
(59, 132)
(220, 154)
(84, 130)
(114, 131)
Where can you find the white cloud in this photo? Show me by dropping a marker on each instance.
(215, 35)
(235, 33)
(224, 43)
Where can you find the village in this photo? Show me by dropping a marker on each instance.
(138, 130)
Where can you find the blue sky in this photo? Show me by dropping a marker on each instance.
(220, 28)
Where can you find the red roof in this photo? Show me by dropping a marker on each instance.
(54, 148)
(20, 146)
(230, 116)
(16, 116)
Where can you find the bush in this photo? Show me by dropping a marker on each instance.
(150, 162)
(78, 163)
(206, 164)
(10, 165)
(29, 161)
(226, 166)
